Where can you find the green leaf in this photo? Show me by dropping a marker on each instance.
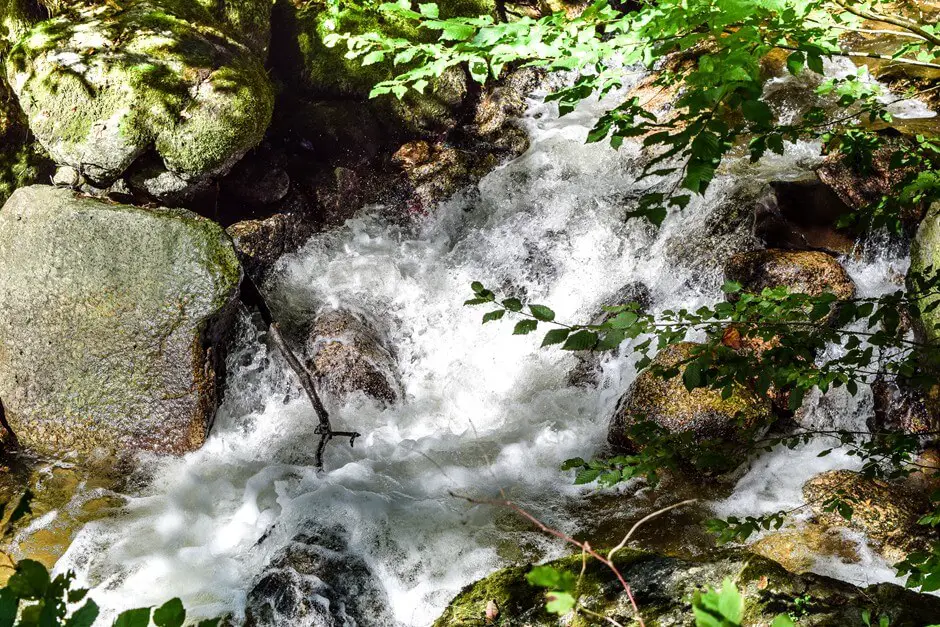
(493, 315)
(580, 341)
(782, 620)
(555, 336)
(84, 616)
(541, 312)
(513, 304)
(795, 62)
(9, 605)
(524, 327)
(139, 617)
(170, 614)
(429, 10)
(692, 375)
(757, 111)
(30, 581)
(560, 603)
(546, 576)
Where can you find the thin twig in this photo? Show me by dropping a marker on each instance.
(252, 295)
(900, 22)
(639, 523)
(584, 546)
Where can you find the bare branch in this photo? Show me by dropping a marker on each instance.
(639, 523)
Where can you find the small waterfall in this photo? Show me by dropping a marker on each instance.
(483, 410)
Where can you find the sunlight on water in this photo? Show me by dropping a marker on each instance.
(483, 410)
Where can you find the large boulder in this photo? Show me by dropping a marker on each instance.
(663, 586)
(799, 549)
(886, 513)
(800, 271)
(316, 580)
(925, 264)
(802, 214)
(347, 355)
(103, 87)
(112, 323)
(728, 423)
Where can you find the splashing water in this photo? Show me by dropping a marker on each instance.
(483, 410)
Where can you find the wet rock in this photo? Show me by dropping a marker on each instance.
(348, 355)
(901, 408)
(798, 550)
(587, 372)
(260, 243)
(315, 580)
(730, 424)
(58, 500)
(805, 272)
(112, 323)
(802, 214)
(885, 513)
(863, 183)
(925, 263)
(101, 87)
(663, 586)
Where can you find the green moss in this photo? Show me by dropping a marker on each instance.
(925, 261)
(326, 71)
(155, 74)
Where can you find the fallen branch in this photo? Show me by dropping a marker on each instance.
(251, 295)
(585, 547)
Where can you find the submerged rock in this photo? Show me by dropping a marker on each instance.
(885, 513)
(902, 408)
(728, 423)
(347, 354)
(663, 587)
(112, 323)
(804, 272)
(101, 87)
(315, 580)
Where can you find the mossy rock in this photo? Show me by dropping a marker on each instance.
(800, 271)
(22, 161)
(925, 261)
(884, 512)
(101, 87)
(318, 72)
(728, 423)
(112, 324)
(664, 586)
(798, 549)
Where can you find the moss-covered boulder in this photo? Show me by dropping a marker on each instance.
(112, 323)
(925, 263)
(102, 87)
(800, 271)
(886, 513)
(301, 58)
(664, 586)
(726, 423)
(348, 355)
(22, 160)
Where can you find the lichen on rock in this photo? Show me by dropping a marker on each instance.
(112, 323)
(800, 271)
(102, 87)
(667, 403)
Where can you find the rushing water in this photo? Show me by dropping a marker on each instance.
(483, 410)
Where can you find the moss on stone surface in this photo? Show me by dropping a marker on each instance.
(800, 271)
(100, 87)
(925, 261)
(704, 412)
(663, 587)
(22, 161)
(112, 323)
